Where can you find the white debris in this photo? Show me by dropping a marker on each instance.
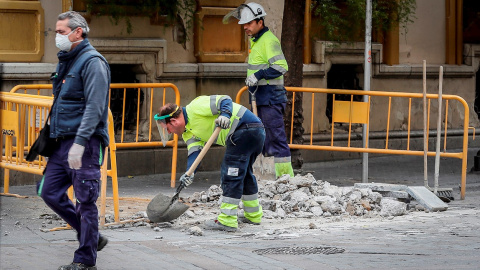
(317, 211)
(306, 197)
(195, 230)
(391, 207)
(189, 214)
(211, 195)
(289, 198)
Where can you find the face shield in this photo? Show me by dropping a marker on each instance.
(161, 121)
(235, 14)
(245, 13)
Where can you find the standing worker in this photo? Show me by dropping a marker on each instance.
(266, 67)
(243, 135)
(78, 122)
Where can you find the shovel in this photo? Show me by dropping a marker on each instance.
(163, 208)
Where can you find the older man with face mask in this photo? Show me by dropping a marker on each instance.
(78, 122)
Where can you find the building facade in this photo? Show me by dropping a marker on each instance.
(211, 59)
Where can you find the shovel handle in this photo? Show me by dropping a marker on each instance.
(204, 150)
(177, 193)
(253, 99)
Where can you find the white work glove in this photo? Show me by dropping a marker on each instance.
(186, 180)
(222, 121)
(251, 80)
(75, 156)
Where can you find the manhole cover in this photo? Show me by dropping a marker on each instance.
(300, 250)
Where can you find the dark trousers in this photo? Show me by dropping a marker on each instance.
(83, 217)
(276, 139)
(243, 147)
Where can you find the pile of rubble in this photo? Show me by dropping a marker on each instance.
(306, 197)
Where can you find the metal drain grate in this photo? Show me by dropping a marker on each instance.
(300, 250)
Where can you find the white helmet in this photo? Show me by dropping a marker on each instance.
(250, 12)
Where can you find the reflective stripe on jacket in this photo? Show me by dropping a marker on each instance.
(266, 53)
(201, 114)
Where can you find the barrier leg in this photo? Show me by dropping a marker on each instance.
(6, 186)
(103, 194)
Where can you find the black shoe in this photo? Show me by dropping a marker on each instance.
(102, 242)
(77, 266)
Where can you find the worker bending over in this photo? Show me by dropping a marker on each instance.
(243, 135)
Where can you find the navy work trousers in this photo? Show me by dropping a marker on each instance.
(58, 177)
(276, 138)
(243, 147)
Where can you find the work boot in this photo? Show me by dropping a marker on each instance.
(77, 266)
(246, 220)
(102, 242)
(216, 225)
(283, 168)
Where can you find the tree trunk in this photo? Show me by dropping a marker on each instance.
(292, 45)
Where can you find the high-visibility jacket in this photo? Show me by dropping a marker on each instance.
(267, 62)
(201, 114)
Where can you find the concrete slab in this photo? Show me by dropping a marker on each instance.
(381, 186)
(395, 194)
(426, 198)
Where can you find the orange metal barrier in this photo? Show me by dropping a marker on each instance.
(23, 115)
(353, 112)
(144, 115)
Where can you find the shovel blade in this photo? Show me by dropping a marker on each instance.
(163, 209)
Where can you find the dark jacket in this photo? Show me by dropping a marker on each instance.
(81, 89)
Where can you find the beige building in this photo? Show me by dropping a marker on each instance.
(212, 60)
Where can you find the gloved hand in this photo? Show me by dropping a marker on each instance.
(75, 156)
(222, 121)
(186, 180)
(251, 80)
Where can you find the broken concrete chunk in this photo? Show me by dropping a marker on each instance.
(316, 211)
(391, 207)
(302, 181)
(195, 230)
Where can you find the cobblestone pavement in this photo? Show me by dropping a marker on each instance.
(419, 240)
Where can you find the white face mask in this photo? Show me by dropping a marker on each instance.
(63, 43)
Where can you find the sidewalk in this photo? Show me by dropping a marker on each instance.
(419, 240)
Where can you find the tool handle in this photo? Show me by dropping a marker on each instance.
(204, 151)
(254, 106)
(253, 99)
(177, 193)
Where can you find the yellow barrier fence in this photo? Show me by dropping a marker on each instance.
(23, 116)
(355, 112)
(154, 93)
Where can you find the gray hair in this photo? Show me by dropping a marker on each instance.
(75, 20)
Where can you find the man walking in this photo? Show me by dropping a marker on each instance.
(78, 122)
